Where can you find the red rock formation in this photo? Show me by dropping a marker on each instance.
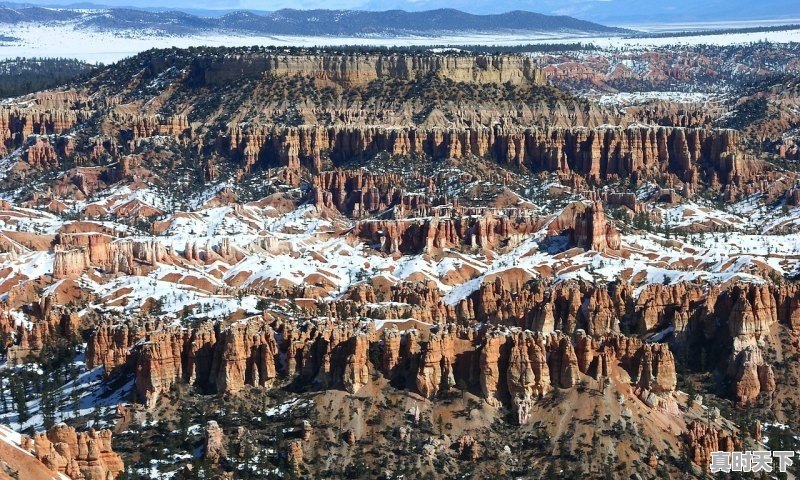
(563, 362)
(702, 439)
(593, 231)
(41, 154)
(468, 448)
(604, 153)
(528, 375)
(214, 448)
(295, 454)
(356, 370)
(353, 70)
(79, 455)
(70, 263)
(655, 368)
(418, 235)
(48, 323)
(391, 351)
(110, 345)
(356, 193)
(159, 363)
(245, 355)
(490, 367)
(753, 312)
(751, 374)
(436, 365)
(507, 368)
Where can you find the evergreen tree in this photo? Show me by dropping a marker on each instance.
(17, 388)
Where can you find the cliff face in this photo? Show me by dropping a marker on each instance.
(360, 69)
(506, 368)
(418, 235)
(605, 153)
(17, 125)
(49, 322)
(111, 343)
(245, 354)
(78, 455)
(702, 439)
(70, 263)
(159, 363)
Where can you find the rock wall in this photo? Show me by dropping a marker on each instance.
(17, 124)
(421, 235)
(360, 69)
(701, 439)
(603, 153)
(78, 455)
(507, 367)
(70, 263)
(46, 322)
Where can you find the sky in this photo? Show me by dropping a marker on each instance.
(608, 11)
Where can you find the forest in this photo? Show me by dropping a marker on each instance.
(19, 76)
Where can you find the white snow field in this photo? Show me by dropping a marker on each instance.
(63, 39)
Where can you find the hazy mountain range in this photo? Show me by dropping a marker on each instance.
(604, 11)
(305, 22)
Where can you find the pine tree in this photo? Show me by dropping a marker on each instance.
(3, 398)
(74, 394)
(184, 421)
(17, 388)
(48, 405)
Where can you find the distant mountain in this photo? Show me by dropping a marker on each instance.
(618, 12)
(305, 22)
(614, 12)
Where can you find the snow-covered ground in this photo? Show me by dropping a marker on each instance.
(63, 40)
(623, 99)
(83, 395)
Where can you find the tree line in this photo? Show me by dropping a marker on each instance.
(19, 76)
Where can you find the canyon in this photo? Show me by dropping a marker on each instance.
(417, 262)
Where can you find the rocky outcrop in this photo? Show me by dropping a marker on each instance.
(701, 439)
(528, 373)
(391, 351)
(245, 354)
(468, 448)
(110, 345)
(340, 353)
(354, 70)
(599, 154)
(356, 193)
(436, 365)
(660, 306)
(214, 448)
(489, 364)
(356, 370)
(159, 363)
(751, 376)
(754, 311)
(70, 263)
(127, 256)
(78, 455)
(587, 227)
(593, 230)
(567, 306)
(294, 454)
(655, 368)
(41, 154)
(563, 362)
(46, 324)
(426, 234)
